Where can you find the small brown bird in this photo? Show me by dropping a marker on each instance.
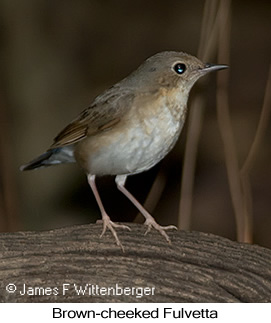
(130, 127)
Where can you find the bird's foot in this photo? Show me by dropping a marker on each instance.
(151, 223)
(107, 223)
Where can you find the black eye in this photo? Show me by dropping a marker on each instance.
(179, 68)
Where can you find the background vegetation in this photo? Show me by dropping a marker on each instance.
(56, 56)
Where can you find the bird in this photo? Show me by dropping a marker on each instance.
(129, 128)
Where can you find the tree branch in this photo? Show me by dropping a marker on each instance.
(197, 267)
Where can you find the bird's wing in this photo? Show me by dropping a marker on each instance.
(106, 111)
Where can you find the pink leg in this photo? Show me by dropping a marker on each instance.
(107, 223)
(150, 222)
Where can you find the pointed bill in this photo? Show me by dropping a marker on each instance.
(213, 67)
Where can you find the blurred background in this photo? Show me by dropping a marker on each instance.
(56, 56)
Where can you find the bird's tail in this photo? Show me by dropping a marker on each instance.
(51, 157)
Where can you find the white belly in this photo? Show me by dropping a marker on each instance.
(138, 148)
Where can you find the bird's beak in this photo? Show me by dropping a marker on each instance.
(213, 67)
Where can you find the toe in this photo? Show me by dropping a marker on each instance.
(170, 227)
(121, 226)
(107, 223)
(151, 223)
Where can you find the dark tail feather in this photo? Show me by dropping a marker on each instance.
(41, 161)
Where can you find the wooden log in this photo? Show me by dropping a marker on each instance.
(197, 267)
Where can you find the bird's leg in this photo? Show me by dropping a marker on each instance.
(107, 223)
(150, 221)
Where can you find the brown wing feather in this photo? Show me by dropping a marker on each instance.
(70, 134)
(105, 112)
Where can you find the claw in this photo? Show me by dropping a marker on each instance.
(151, 223)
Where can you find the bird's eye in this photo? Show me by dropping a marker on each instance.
(179, 68)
